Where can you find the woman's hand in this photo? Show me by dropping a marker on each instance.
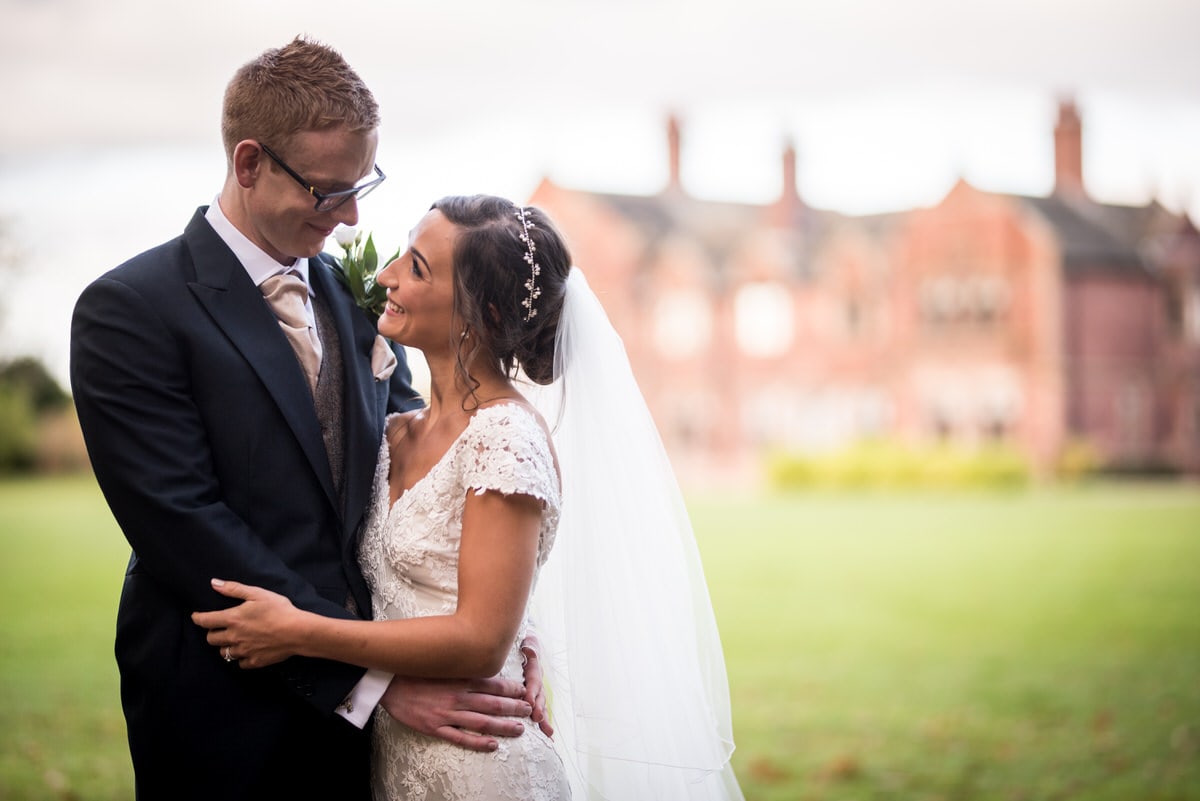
(258, 632)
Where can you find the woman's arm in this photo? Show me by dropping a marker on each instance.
(497, 558)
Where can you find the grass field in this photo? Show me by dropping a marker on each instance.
(1034, 645)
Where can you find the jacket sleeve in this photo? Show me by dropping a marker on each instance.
(152, 458)
(402, 396)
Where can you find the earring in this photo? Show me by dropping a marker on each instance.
(464, 334)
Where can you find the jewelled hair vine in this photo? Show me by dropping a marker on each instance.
(535, 291)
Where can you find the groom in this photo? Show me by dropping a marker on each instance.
(234, 438)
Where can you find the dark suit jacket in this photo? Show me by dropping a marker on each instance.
(205, 441)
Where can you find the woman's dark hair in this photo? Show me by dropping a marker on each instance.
(490, 273)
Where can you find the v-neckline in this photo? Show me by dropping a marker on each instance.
(407, 490)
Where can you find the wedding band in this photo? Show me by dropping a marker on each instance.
(225, 654)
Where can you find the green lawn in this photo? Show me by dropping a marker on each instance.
(61, 561)
(1042, 645)
(1034, 645)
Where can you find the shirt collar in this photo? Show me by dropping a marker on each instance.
(257, 263)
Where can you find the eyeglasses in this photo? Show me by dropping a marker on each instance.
(328, 201)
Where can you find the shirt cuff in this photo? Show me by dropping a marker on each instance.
(361, 701)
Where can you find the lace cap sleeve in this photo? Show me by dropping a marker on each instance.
(506, 450)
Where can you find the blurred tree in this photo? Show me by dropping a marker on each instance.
(27, 390)
(29, 376)
(31, 400)
(18, 431)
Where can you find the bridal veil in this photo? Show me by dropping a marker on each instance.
(634, 670)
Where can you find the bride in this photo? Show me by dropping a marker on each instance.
(471, 495)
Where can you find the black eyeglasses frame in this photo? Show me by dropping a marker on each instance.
(327, 201)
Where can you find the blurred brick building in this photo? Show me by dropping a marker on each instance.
(1039, 321)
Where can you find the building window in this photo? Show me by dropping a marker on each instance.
(938, 300)
(764, 323)
(981, 299)
(974, 404)
(682, 324)
(990, 297)
(995, 429)
(855, 324)
(940, 424)
(688, 419)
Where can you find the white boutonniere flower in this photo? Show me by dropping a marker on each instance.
(357, 267)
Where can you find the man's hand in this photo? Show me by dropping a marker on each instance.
(535, 694)
(454, 709)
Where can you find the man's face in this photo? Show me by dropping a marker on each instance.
(281, 216)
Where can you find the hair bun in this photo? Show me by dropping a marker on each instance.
(536, 350)
(510, 268)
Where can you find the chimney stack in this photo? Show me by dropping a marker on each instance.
(790, 192)
(674, 184)
(783, 213)
(1068, 150)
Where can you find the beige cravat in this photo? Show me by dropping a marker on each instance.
(288, 294)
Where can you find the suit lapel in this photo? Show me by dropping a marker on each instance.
(226, 292)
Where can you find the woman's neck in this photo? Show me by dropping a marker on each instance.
(450, 393)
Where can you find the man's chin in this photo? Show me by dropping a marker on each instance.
(309, 248)
(316, 242)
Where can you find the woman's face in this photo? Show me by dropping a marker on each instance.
(420, 289)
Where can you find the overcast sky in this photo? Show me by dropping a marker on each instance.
(110, 136)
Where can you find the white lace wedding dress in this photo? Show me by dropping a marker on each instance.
(409, 555)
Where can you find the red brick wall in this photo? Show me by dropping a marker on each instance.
(955, 321)
(1113, 339)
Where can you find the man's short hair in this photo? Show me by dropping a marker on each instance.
(302, 86)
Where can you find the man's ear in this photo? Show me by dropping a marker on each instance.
(247, 162)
